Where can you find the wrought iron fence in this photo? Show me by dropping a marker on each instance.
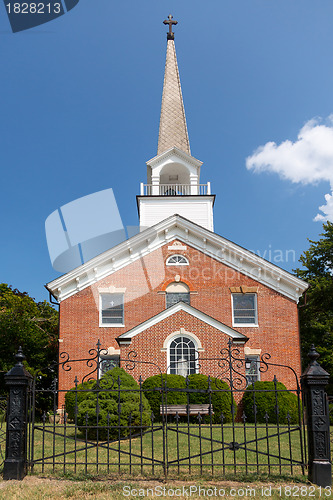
(114, 424)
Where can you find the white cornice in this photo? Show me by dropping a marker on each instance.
(181, 306)
(154, 162)
(185, 231)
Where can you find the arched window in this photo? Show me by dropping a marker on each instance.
(177, 260)
(182, 356)
(177, 292)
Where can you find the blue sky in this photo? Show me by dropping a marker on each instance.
(80, 101)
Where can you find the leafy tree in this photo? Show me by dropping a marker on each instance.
(316, 307)
(32, 325)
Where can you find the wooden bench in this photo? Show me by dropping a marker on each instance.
(203, 409)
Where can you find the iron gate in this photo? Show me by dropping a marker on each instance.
(107, 425)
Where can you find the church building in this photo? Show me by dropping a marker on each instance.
(175, 293)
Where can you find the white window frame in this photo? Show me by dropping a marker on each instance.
(255, 357)
(177, 263)
(190, 337)
(105, 357)
(245, 325)
(110, 325)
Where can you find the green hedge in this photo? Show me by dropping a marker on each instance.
(331, 413)
(71, 397)
(155, 397)
(266, 402)
(221, 396)
(108, 399)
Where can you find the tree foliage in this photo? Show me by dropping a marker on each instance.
(316, 308)
(32, 325)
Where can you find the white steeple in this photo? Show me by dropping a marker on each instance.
(173, 176)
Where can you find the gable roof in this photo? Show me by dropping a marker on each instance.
(181, 306)
(177, 227)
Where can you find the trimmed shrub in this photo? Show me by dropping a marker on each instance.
(266, 402)
(108, 399)
(71, 396)
(221, 396)
(155, 397)
(331, 413)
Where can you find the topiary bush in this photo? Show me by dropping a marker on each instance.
(108, 399)
(266, 402)
(155, 397)
(71, 397)
(220, 397)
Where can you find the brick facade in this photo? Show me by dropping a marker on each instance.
(209, 282)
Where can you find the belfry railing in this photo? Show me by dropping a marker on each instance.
(175, 189)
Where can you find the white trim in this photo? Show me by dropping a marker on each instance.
(111, 351)
(181, 331)
(181, 306)
(248, 351)
(183, 230)
(111, 289)
(161, 158)
(245, 325)
(257, 358)
(177, 247)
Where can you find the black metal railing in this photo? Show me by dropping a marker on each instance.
(107, 426)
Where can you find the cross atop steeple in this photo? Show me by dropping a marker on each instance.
(170, 22)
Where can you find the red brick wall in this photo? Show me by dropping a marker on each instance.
(209, 282)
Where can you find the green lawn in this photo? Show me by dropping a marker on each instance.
(191, 451)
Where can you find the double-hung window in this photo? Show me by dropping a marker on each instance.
(244, 309)
(252, 373)
(112, 309)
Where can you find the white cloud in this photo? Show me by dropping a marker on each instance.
(308, 160)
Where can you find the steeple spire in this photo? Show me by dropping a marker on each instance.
(173, 128)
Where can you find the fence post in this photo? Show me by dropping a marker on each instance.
(314, 380)
(18, 381)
